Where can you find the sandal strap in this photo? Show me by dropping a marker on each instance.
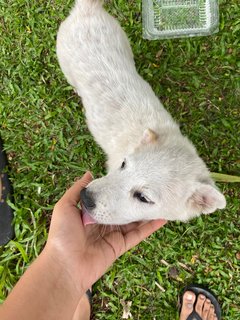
(194, 316)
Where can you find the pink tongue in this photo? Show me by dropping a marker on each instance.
(86, 218)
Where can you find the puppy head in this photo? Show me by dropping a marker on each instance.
(158, 180)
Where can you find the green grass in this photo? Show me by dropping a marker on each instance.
(48, 145)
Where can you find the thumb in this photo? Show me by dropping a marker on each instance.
(72, 195)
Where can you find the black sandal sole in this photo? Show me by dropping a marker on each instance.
(6, 212)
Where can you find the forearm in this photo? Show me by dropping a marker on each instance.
(45, 291)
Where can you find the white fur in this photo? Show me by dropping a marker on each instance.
(129, 122)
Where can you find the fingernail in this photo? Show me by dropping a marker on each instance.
(201, 297)
(86, 174)
(90, 174)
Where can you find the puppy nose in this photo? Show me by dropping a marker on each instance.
(87, 199)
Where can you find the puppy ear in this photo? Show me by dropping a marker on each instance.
(149, 136)
(206, 199)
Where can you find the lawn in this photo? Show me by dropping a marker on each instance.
(48, 146)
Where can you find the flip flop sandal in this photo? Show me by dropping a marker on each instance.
(6, 213)
(198, 289)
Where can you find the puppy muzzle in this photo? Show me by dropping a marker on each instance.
(87, 199)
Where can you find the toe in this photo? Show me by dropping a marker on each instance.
(187, 304)
(212, 317)
(207, 310)
(212, 314)
(199, 304)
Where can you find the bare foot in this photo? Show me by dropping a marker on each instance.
(203, 307)
(83, 310)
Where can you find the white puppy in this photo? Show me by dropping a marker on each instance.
(154, 172)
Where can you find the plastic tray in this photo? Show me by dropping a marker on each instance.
(179, 18)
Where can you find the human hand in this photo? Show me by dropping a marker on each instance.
(86, 252)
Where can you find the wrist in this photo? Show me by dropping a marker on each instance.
(72, 266)
(60, 274)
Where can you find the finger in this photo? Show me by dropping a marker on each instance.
(132, 226)
(104, 230)
(72, 195)
(135, 236)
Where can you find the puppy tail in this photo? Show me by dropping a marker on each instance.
(88, 6)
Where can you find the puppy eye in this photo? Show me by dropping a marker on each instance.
(123, 164)
(140, 196)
